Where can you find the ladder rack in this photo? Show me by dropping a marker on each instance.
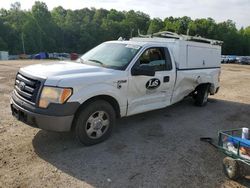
(168, 34)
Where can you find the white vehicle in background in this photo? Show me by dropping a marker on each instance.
(229, 59)
(116, 79)
(244, 60)
(224, 59)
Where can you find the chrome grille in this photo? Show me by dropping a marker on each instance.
(27, 87)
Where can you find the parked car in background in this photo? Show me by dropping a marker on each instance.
(228, 59)
(73, 56)
(41, 55)
(23, 56)
(238, 59)
(224, 59)
(245, 60)
(232, 59)
(59, 56)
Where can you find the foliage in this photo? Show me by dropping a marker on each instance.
(64, 30)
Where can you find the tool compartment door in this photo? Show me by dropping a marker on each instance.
(203, 57)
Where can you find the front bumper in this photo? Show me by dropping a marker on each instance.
(42, 121)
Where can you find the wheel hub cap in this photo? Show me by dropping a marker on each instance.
(97, 124)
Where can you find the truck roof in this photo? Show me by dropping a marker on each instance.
(140, 43)
(164, 38)
(137, 41)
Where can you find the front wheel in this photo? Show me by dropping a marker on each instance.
(94, 123)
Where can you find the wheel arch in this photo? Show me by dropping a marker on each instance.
(210, 85)
(111, 100)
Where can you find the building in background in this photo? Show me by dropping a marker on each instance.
(4, 55)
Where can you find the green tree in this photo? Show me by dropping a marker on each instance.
(136, 21)
(64, 30)
(155, 25)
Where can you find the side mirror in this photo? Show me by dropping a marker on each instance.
(142, 70)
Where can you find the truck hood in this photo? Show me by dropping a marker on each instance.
(71, 74)
(62, 68)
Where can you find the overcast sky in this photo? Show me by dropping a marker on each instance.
(220, 10)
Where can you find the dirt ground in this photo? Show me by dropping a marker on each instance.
(154, 149)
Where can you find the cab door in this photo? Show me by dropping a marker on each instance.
(149, 92)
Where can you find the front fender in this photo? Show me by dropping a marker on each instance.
(82, 94)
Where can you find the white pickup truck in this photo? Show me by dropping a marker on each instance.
(116, 79)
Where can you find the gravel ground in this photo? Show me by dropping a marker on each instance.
(154, 149)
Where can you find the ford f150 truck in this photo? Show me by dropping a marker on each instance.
(116, 79)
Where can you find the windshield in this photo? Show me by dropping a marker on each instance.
(110, 55)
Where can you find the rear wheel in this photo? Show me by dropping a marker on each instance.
(94, 123)
(200, 96)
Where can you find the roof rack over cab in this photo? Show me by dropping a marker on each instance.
(168, 34)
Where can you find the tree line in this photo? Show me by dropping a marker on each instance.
(65, 30)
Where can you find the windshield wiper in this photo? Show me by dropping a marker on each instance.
(96, 61)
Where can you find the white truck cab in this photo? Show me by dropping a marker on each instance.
(116, 79)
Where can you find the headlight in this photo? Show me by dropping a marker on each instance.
(54, 95)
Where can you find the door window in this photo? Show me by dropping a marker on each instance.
(155, 58)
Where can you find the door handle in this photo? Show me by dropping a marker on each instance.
(166, 79)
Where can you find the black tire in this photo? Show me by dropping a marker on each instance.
(231, 168)
(200, 96)
(86, 115)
